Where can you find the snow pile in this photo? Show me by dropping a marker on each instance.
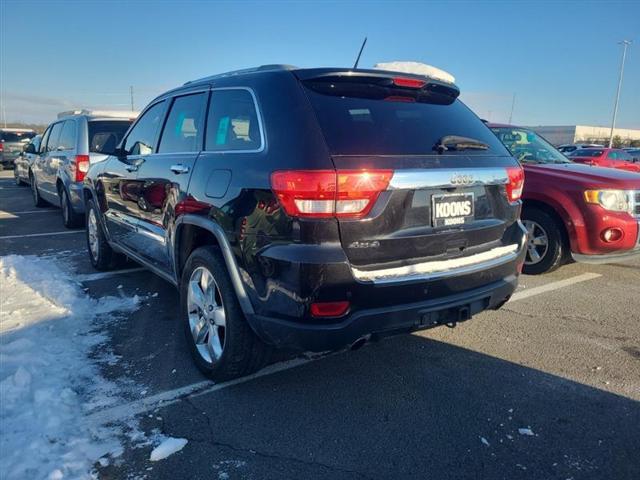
(47, 380)
(169, 446)
(417, 68)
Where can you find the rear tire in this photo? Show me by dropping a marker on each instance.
(70, 218)
(546, 246)
(38, 201)
(100, 252)
(220, 340)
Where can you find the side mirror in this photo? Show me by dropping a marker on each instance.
(29, 148)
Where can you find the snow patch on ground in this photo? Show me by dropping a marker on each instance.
(48, 382)
(169, 446)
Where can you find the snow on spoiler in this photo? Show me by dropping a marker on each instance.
(416, 68)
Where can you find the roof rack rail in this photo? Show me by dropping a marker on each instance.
(99, 113)
(244, 71)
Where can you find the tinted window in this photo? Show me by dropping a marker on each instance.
(36, 142)
(106, 135)
(45, 138)
(232, 123)
(52, 144)
(620, 155)
(368, 126)
(67, 140)
(587, 152)
(141, 140)
(16, 136)
(183, 129)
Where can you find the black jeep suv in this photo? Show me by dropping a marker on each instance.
(310, 208)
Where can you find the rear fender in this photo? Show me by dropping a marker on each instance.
(227, 254)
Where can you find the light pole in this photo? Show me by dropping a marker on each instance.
(625, 44)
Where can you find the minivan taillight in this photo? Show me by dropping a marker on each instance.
(329, 193)
(515, 184)
(81, 167)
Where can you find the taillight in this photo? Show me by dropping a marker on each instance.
(408, 82)
(1, 147)
(515, 184)
(80, 167)
(329, 309)
(329, 193)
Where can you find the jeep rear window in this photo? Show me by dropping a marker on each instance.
(354, 123)
(105, 135)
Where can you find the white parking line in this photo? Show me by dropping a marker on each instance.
(170, 397)
(549, 287)
(28, 235)
(4, 214)
(90, 277)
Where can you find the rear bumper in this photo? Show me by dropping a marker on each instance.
(380, 322)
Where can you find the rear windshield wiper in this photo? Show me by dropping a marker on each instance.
(456, 143)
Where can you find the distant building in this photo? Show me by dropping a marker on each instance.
(559, 135)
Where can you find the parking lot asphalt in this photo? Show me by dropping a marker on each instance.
(546, 388)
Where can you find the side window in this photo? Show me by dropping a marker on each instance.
(232, 122)
(141, 139)
(183, 129)
(67, 140)
(43, 142)
(52, 144)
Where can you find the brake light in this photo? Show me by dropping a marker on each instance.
(1, 146)
(408, 82)
(515, 184)
(329, 309)
(80, 167)
(329, 193)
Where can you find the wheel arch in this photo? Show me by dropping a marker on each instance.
(555, 215)
(193, 231)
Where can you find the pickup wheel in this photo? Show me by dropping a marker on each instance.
(222, 343)
(70, 218)
(545, 243)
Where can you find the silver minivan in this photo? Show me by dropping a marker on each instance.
(69, 145)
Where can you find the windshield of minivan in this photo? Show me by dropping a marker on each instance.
(365, 126)
(528, 147)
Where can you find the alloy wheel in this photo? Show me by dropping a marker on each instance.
(207, 317)
(537, 242)
(92, 232)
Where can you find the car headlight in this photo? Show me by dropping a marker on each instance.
(612, 200)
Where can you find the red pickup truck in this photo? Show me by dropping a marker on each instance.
(587, 213)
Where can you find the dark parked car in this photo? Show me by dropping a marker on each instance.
(12, 141)
(590, 214)
(311, 208)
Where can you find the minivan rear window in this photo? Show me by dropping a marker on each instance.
(105, 135)
(393, 126)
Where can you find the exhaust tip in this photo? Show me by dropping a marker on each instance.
(359, 343)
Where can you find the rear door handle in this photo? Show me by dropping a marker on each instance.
(179, 168)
